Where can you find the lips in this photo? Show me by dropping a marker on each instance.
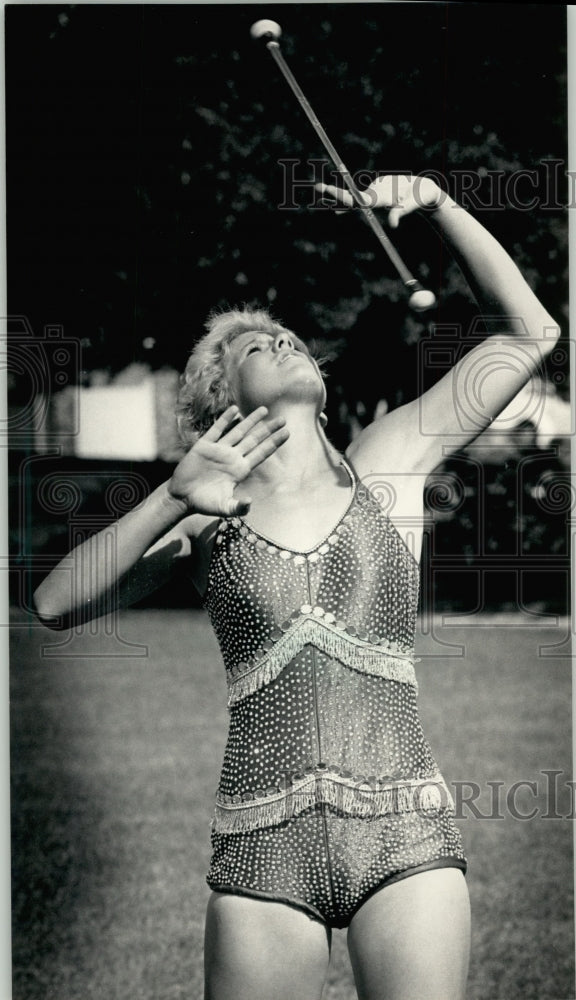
(287, 357)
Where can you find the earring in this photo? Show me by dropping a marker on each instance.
(323, 420)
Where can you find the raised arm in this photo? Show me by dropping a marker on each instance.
(139, 552)
(465, 401)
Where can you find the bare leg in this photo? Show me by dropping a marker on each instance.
(411, 940)
(259, 950)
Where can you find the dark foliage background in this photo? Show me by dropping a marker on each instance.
(145, 149)
(143, 164)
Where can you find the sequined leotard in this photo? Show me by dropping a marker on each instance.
(328, 789)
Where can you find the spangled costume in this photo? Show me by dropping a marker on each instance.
(328, 789)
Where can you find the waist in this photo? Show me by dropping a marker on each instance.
(328, 786)
(321, 716)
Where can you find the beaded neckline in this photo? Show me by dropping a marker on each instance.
(314, 548)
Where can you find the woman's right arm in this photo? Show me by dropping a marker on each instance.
(116, 566)
(138, 553)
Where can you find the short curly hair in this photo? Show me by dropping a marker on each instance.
(204, 390)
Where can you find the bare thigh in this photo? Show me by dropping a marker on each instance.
(411, 940)
(256, 950)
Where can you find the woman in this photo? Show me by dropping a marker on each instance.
(330, 809)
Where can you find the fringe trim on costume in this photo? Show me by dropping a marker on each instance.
(379, 661)
(346, 796)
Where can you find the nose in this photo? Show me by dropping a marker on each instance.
(283, 342)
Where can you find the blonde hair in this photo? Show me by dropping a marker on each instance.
(204, 390)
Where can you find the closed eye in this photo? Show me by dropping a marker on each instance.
(257, 345)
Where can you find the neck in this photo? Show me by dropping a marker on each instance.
(304, 456)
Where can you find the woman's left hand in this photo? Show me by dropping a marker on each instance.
(400, 193)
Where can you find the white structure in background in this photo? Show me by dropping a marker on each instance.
(129, 417)
(118, 422)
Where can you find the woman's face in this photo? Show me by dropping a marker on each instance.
(264, 369)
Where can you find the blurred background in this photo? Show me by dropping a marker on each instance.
(149, 149)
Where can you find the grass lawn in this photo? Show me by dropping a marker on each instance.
(116, 747)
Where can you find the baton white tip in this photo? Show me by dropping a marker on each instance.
(422, 300)
(266, 29)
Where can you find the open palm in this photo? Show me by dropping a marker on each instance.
(206, 478)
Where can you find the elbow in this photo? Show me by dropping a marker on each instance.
(547, 332)
(46, 614)
(540, 331)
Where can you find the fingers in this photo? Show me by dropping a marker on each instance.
(233, 425)
(395, 214)
(386, 192)
(254, 429)
(222, 424)
(272, 431)
(267, 447)
(342, 197)
(238, 506)
(253, 423)
(402, 194)
(254, 436)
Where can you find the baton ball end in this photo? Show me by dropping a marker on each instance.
(266, 29)
(422, 300)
